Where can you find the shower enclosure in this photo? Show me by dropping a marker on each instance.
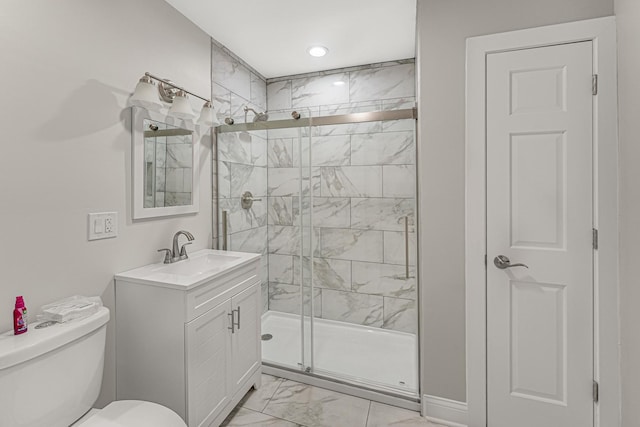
(331, 206)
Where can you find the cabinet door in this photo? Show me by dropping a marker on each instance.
(208, 349)
(246, 338)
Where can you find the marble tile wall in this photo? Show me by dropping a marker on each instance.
(241, 160)
(363, 178)
(367, 88)
(363, 186)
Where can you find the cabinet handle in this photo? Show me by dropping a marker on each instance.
(238, 324)
(232, 327)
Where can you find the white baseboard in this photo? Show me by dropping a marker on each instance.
(445, 411)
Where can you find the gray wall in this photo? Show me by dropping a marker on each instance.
(443, 26)
(69, 67)
(628, 17)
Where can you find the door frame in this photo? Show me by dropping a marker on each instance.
(602, 32)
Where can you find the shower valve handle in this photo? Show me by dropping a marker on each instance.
(247, 200)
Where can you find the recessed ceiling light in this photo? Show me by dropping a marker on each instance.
(338, 83)
(317, 51)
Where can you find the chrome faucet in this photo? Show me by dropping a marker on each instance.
(175, 254)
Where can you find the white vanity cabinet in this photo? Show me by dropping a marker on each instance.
(221, 360)
(188, 341)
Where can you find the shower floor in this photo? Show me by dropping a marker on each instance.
(358, 354)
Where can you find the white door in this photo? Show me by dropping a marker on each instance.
(539, 213)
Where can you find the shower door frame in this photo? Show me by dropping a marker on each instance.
(306, 376)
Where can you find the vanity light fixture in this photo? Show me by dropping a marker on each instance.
(317, 51)
(181, 107)
(207, 117)
(147, 96)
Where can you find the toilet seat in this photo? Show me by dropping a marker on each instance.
(133, 413)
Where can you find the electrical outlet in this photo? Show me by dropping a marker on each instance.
(108, 225)
(103, 225)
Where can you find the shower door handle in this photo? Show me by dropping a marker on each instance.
(406, 220)
(406, 245)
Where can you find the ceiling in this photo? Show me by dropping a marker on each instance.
(273, 35)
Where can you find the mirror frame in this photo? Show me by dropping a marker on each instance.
(138, 115)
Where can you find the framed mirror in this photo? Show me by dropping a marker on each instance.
(164, 165)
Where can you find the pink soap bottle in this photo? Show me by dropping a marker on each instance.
(19, 317)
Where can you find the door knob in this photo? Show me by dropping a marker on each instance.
(503, 262)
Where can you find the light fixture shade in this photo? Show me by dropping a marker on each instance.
(207, 116)
(146, 95)
(181, 106)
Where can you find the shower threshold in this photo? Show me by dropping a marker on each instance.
(373, 358)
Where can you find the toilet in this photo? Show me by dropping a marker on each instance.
(51, 377)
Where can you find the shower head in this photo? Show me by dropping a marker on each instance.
(257, 117)
(261, 117)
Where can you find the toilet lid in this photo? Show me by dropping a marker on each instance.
(134, 413)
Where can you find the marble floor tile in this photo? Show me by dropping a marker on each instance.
(246, 417)
(257, 400)
(284, 403)
(381, 415)
(313, 406)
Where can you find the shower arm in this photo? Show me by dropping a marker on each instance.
(256, 115)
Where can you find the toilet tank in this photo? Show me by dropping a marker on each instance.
(50, 377)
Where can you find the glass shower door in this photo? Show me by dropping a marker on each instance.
(273, 226)
(336, 229)
(363, 266)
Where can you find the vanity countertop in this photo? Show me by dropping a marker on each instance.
(201, 267)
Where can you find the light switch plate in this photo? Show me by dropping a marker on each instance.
(103, 225)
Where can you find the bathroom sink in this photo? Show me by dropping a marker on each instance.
(197, 264)
(200, 267)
